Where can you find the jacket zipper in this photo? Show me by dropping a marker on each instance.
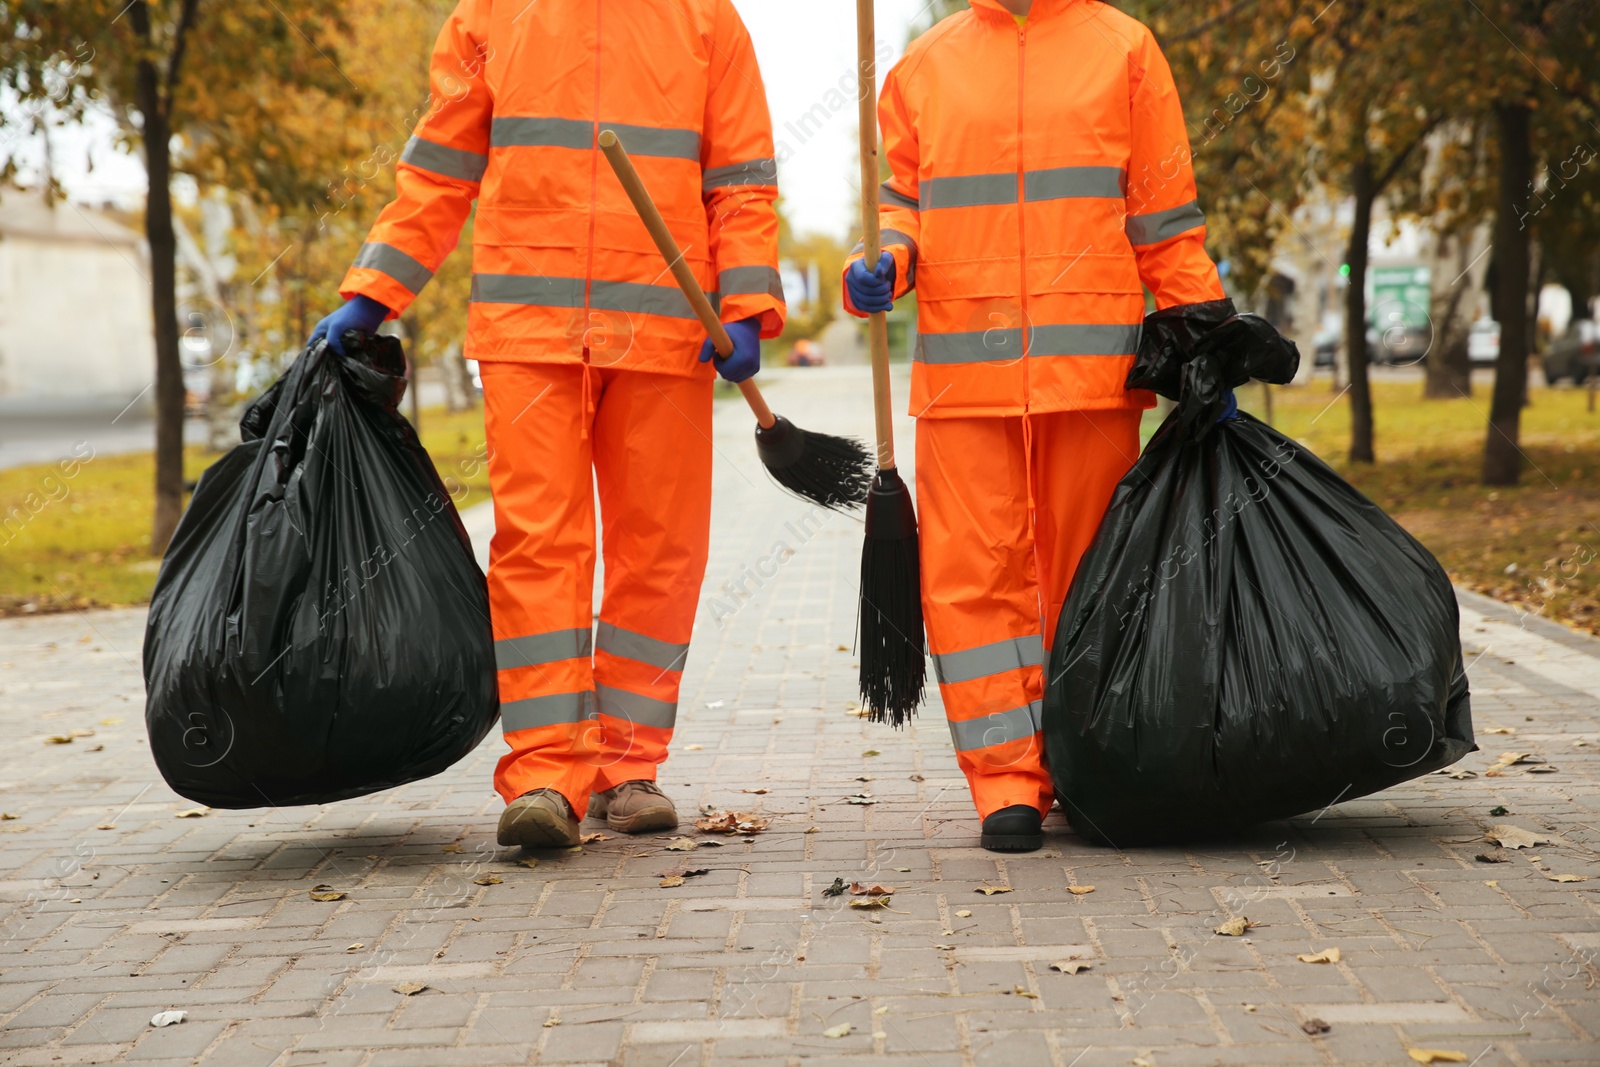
(594, 186)
(1022, 226)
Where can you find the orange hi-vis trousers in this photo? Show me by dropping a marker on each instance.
(993, 582)
(585, 707)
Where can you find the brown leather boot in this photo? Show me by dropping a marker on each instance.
(539, 819)
(636, 807)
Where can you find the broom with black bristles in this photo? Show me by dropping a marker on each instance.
(893, 666)
(833, 471)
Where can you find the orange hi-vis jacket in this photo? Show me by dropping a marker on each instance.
(563, 270)
(1039, 173)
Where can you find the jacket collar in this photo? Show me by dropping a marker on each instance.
(1042, 9)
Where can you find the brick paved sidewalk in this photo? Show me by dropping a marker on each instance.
(114, 907)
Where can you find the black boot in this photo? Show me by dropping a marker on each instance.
(1013, 829)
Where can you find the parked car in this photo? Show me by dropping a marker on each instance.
(1483, 343)
(1574, 355)
(1325, 345)
(1398, 345)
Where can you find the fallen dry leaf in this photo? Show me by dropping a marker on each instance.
(106, 826)
(80, 732)
(111, 721)
(589, 839)
(1568, 878)
(757, 792)
(1069, 966)
(554, 1020)
(193, 813)
(1436, 1055)
(731, 822)
(672, 882)
(1234, 927)
(1543, 770)
(869, 903)
(488, 879)
(917, 778)
(991, 890)
(355, 947)
(326, 893)
(1250, 1007)
(682, 844)
(451, 848)
(813, 829)
(6, 816)
(168, 1018)
(1493, 855)
(528, 861)
(1080, 890)
(1023, 992)
(1501, 730)
(836, 889)
(1327, 955)
(58, 739)
(964, 914)
(95, 748)
(693, 748)
(410, 989)
(1315, 1026)
(859, 890)
(842, 1030)
(1492, 885)
(872, 752)
(1514, 836)
(861, 798)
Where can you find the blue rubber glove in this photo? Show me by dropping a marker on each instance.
(1230, 406)
(360, 313)
(746, 357)
(871, 290)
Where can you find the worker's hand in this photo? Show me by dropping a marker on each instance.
(871, 290)
(1230, 406)
(360, 313)
(746, 357)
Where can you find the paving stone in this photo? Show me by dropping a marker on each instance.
(749, 964)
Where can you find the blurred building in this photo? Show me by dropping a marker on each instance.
(75, 320)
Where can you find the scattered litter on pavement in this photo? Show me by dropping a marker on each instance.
(488, 879)
(682, 844)
(355, 947)
(326, 893)
(58, 739)
(168, 1018)
(872, 752)
(842, 1030)
(1080, 890)
(757, 792)
(836, 889)
(991, 890)
(410, 989)
(713, 821)
(192, 813)
(452, 848)
(868, 903)
(1501, 730)
(715, 704)
(1069, 966)
(1514, 836)
(1315, 1026)
(1327, 955)
(1493, 855)
(529, 862)
(1022, 991)
(964, 913)
(1499, 809)
(1234, 927)
(859, 890)
(1568, 878)
(1437, 1055)
(862, 799)
(589, 839)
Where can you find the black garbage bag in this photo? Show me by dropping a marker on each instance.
(1248, 638)
(319, 629)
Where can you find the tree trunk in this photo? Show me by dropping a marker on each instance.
(413, 351)
(169, 390)
(458, 382)
(1502, 459)
(1448, 369)
(1355, 315)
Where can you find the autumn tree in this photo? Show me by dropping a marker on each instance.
(197, 86)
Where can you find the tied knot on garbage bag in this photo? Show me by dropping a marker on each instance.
(1196, 354)
(319, 628)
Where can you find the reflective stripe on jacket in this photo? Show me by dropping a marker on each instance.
(561, 262)
(1039, 174)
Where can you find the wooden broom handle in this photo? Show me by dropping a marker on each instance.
(877, 322)
(633, 185)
